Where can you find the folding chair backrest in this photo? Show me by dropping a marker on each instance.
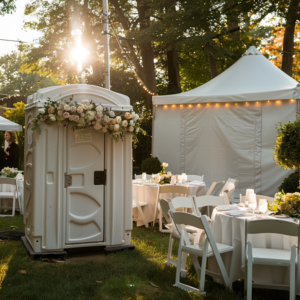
(183, 202)
(4, 180)
(215, 188)
(208, 201)
(229, 186)
(182, 218)
(269, 199)
(195, 177)
(272, 226)
(164, 204)
(176, 189)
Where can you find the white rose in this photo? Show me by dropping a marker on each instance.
(90, 115)
(128, 115)
(99, 108)
(67, 107)
(165, 165)
(124, 123)
(104, 130)
(118, 120)
(137, 129)
(131, 128)
(85, 101)
(112, 114)
(106, 118)
(116, 127)
(131, 123)
(52, 119)
(41, 110)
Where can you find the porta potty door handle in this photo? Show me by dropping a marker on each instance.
(68, 180)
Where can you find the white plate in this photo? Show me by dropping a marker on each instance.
(223, 207)
(235, 212)
(281, 216)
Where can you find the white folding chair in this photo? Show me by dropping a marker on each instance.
(140, 176)
(9, 195)
(139, 205)
(20, 194)
(179, 202)
(215, 188)
(211, 248)
(202, 201)
(271, 257)
(195, 177)
(166, 189)
(230, 187)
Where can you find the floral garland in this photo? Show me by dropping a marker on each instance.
(87, 115)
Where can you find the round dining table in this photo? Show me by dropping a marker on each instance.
(148, 192)
(230, 230)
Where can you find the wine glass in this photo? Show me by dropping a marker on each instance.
(263, 206)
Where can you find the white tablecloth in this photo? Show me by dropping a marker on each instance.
(148, 194)
(10, 188)
(231, 231)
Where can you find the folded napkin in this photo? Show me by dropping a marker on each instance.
(226, 207)
(19, 176)
(234, 212)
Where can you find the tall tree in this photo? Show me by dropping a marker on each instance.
(7, 6)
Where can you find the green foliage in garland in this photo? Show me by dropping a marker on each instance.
(142, 140)
(287, 148)
(290, 183)
(151, 165)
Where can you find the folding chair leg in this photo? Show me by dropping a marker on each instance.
(177, 279)
(202, 274)
(169, 259)
(183, 264)
(160, 219)
(249, 278)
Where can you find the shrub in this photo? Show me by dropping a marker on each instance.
(290, 183)
(143, 139)
(151, 165)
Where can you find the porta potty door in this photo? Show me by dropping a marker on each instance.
(84, 183)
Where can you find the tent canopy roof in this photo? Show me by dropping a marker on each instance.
(9, 125)
(251, 78)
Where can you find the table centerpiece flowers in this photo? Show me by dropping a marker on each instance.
(287, 204)
(9, 172)
(163, 176)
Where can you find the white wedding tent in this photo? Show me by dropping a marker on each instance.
(5, 124)
(226, 127)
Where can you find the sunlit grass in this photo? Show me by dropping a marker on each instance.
(139, 268)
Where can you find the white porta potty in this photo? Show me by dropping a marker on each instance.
(78, 191)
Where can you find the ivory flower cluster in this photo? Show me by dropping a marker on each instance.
(87, 114)
(288, 204)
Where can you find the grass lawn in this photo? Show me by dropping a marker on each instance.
(143, 266)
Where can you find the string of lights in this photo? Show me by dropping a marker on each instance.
(139, 80)
(226, 104)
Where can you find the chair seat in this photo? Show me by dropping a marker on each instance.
(276, 257)
(194, 249)
(141, 204)
(6, 194)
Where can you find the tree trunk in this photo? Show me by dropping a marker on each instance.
(173, 72)
(212, 65)
(288, 39)
(147, 52)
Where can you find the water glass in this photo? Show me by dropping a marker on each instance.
(263, 205)
(144, 176)
(252, 201)
(184, 177)
(179, 178)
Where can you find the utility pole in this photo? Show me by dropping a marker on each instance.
(106, 43)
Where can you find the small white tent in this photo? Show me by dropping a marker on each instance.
(226, 127)
(9, 125)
